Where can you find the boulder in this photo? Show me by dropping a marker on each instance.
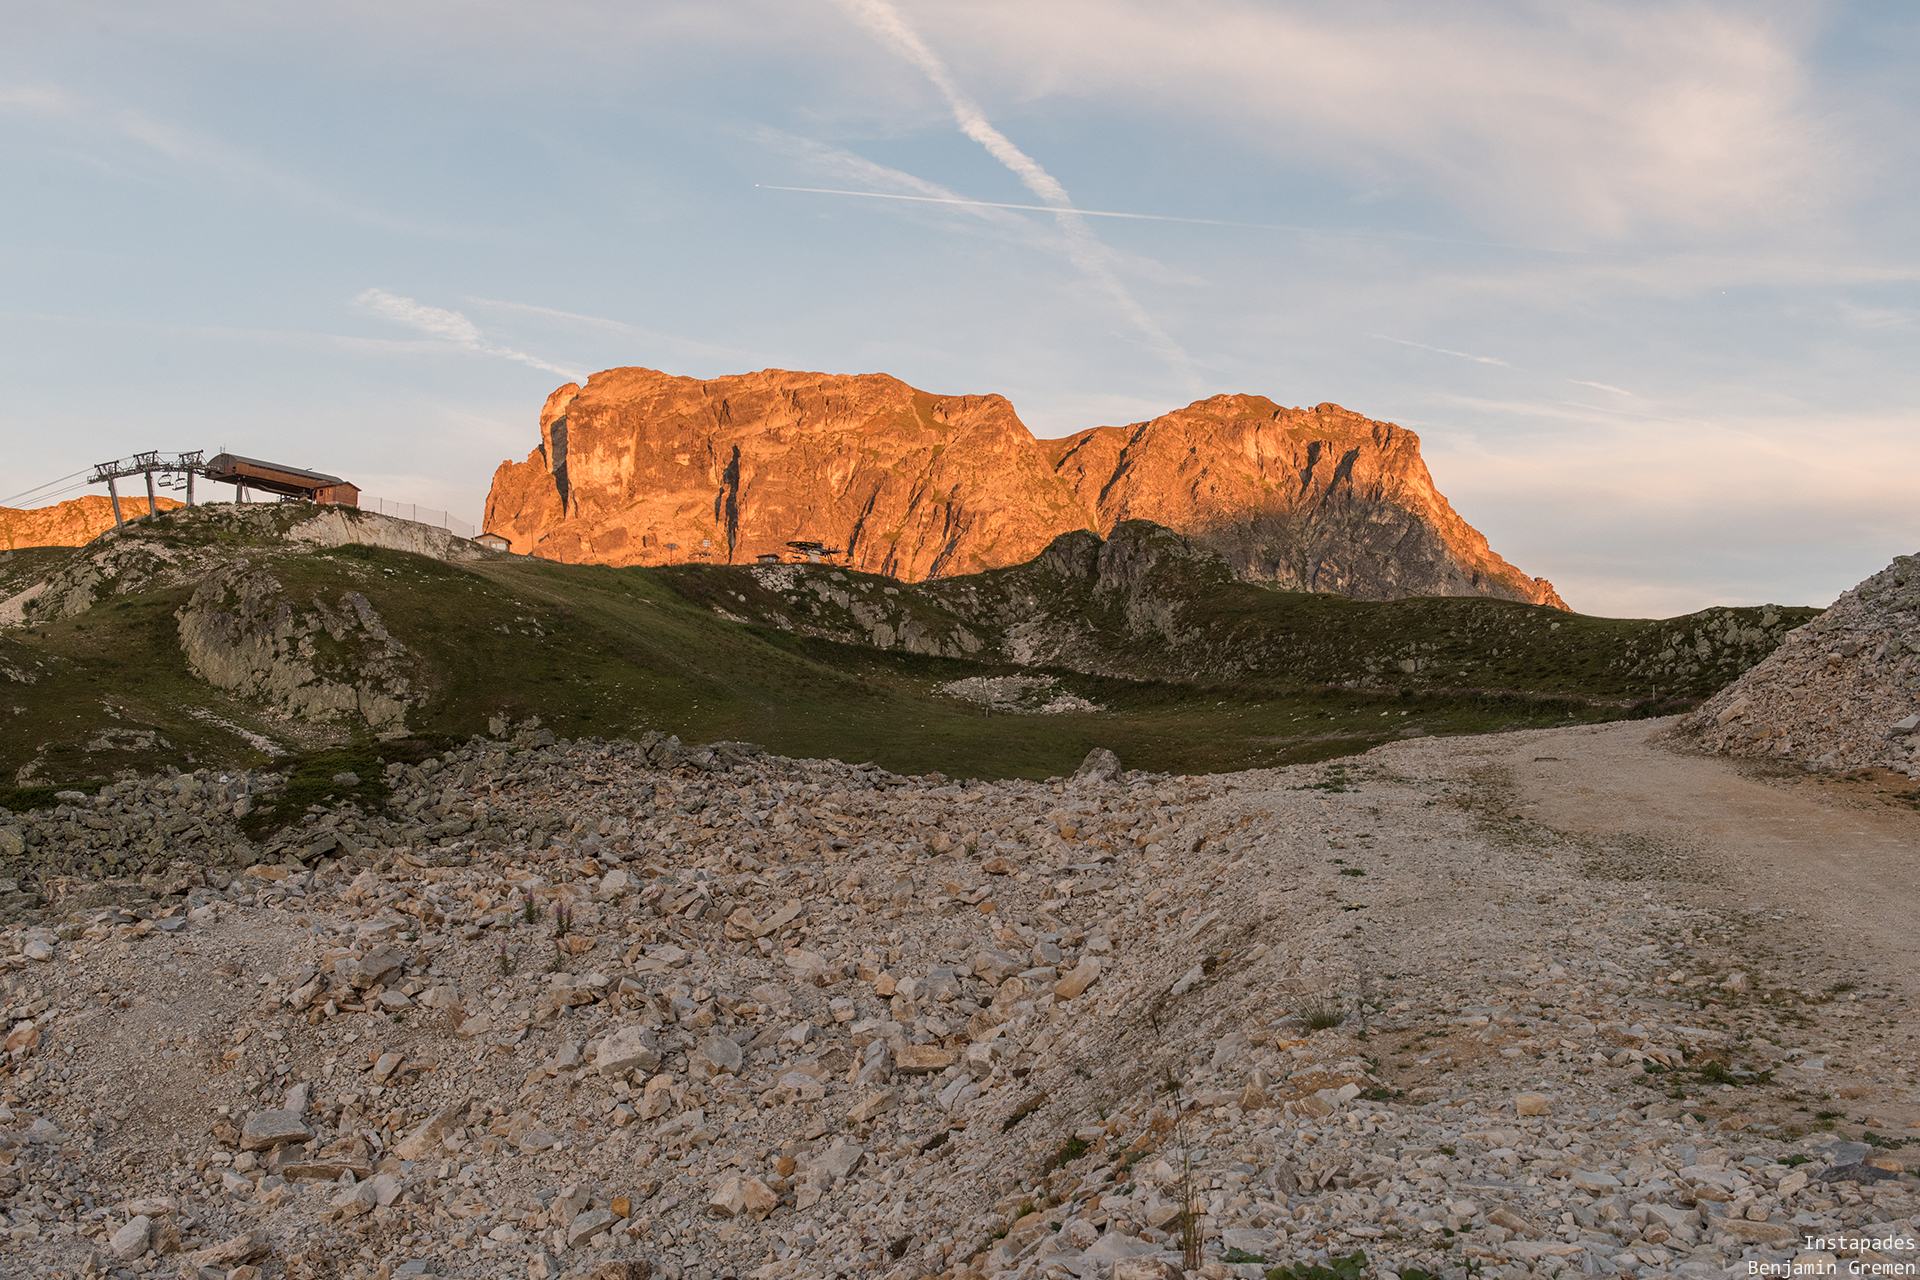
(1101, 765)
(130, 1241)
(425, 1139)
(737, 1195)
(267, 1129)
(631, 1048)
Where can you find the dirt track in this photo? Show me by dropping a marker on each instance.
(1837, 853)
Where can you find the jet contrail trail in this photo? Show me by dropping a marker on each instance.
(1037, 208)
(1464, 355)
(1356, 232)
(881, 19)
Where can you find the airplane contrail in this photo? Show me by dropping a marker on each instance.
(884, 22)
(1364, 233)
(1038, 208)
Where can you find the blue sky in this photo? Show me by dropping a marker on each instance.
(1642, 276)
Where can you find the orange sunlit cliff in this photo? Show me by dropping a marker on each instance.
(641, 467)
(72, 523)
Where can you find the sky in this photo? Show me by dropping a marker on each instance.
(1642, 276)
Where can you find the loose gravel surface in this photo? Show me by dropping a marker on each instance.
(1538, 1004)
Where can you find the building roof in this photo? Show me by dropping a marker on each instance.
(273, 476)
(227, 465)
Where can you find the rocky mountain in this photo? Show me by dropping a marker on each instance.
(641, 467)
(72, 523)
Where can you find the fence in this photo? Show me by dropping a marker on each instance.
(418, 514)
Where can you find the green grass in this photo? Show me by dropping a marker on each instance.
(21, 799)
(1321, 1015)
(599, 652)
(1347, 1268)
(310, 779)
(1070, 1150)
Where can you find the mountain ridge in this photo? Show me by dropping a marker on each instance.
(640, 467)
(72, 523)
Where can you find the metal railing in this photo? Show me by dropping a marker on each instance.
(418, 514)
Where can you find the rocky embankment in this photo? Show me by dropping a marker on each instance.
(1842, 692)
(619, 1009)
(640, 467)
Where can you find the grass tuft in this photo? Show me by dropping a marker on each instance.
(1322, 1015)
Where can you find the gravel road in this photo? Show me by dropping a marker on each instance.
(1773, 835)
(1532, 1005)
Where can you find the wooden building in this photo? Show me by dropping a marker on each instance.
(252, 475)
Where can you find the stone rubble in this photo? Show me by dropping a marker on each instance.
(619, 1009)
(1016, 695)
(1842, 692)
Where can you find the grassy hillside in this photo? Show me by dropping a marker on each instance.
(601, 652)
(1150, 603)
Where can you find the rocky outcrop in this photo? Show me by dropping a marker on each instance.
(1316, 499)
(1842, 692)
(72, 523)
(1150, 603)
(640, 467)
(180, 549)
(333, 526)
(321, 661)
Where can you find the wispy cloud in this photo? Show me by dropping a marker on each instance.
(883, 21)
(202, 153)
(653, 337)
(1001, 220)
(1585, 118)
(1666, 509)
(1349, 233)
(292, 338)
(448, 326)
(1601, 386)
(1464, 355)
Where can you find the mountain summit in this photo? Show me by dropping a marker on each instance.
(642, 467)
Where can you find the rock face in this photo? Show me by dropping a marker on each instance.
(640, 467)
(1841, 692)
(241, 630)
(1316, 499)
(643, 468)
(72, 523)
